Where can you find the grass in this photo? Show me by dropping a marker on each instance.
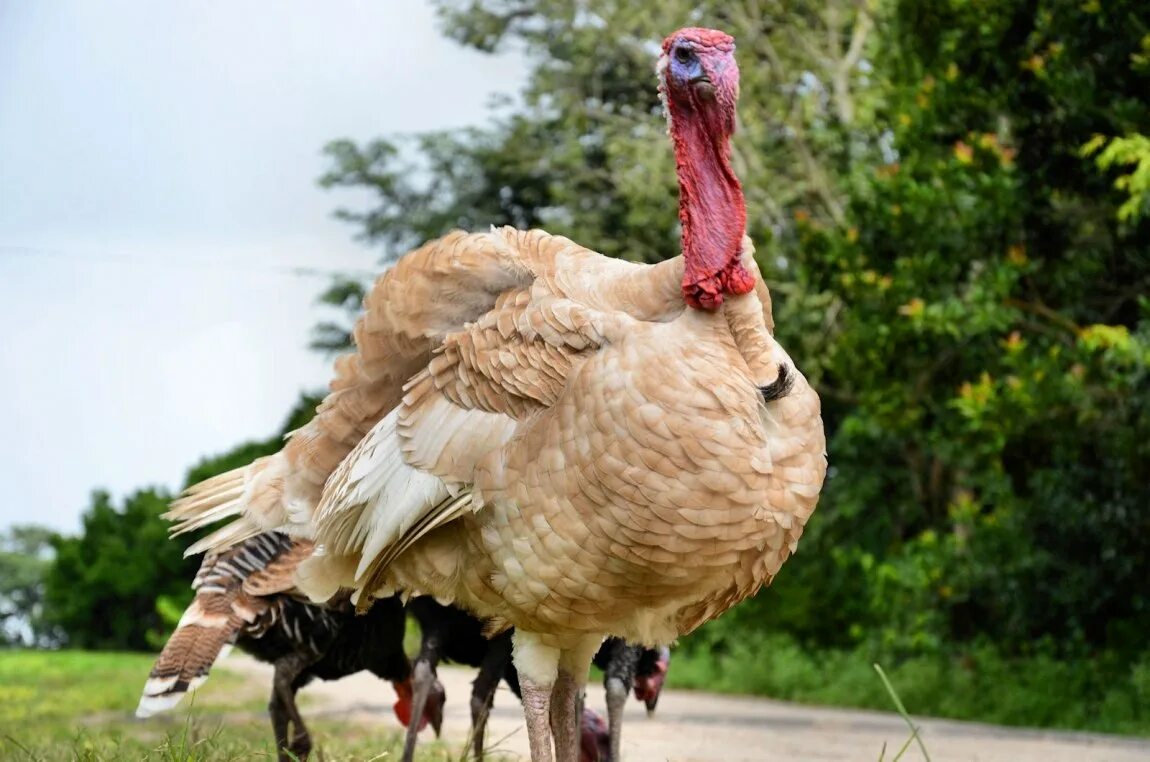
(76, 705)
(914, 734)
(1098, 695)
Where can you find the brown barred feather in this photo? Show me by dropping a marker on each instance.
(228, 603)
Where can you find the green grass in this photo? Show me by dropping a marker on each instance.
(1099, 695)
(76, 705)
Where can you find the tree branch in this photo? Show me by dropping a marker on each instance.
(841, 74)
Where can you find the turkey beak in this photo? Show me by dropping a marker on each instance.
(704, 87)
(435, 703)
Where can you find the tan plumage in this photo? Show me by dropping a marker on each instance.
(613, 447)
(553, 439)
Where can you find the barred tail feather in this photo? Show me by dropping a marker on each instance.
(201, 638)
(235, 591)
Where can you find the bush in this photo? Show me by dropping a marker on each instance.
(1105, 693)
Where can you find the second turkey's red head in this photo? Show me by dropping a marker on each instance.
(650, 678)
(432, 709)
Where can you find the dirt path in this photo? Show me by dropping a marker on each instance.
(691, 727)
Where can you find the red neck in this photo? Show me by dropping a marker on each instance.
(711, 209)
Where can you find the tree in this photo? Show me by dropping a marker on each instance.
(993, 341)
(102, 587)
(25, 554)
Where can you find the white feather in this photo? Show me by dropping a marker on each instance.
(193, 614)
(374, 496)
(154, 704)
(158, 696)
(226, 536)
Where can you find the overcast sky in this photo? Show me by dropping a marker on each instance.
(157, 189)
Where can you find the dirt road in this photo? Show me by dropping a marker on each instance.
(692, 726)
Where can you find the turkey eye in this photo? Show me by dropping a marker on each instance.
(683, 54)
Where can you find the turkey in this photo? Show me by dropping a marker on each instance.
(452, 635)
(627, 666)
(559, 442)
(243, 597)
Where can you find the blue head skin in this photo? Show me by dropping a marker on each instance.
(698, 72)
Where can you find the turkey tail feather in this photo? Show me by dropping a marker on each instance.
(207, 502)
(201, 638)
(226, 604)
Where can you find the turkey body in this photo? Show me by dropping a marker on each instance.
(334, 643)
(308, 641)
(581, 457)
(695, 447)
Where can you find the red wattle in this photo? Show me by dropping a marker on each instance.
(712, 208)
(403, 712)
(707, 293)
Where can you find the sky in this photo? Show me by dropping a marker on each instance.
(157, 197)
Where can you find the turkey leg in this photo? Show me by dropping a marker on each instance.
(566, 697)
(422, 677)
(483, 689)
(284, 711)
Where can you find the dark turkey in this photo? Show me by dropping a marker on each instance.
(244, 596)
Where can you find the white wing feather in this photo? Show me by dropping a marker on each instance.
(374, 497)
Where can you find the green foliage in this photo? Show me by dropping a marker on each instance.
(1132, 151)
(1099, 693)
(993, 345)
(24, 558)
(102, 586)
